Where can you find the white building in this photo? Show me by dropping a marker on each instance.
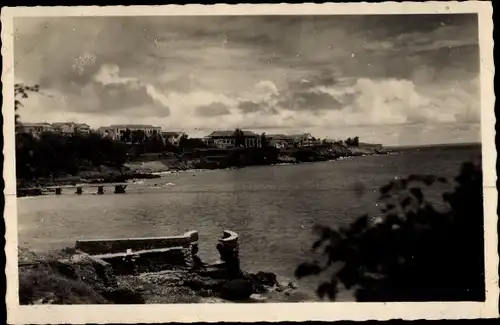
(64, 128)
(227, 139)
(35, 129)
(116, 131)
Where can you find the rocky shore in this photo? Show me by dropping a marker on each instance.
(39, 186)
(150, 169)
(71, 277)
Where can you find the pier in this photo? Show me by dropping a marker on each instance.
(119, 188)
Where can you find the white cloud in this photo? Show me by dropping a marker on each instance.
(109, 74)
(164, 71)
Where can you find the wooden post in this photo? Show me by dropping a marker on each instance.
(79, 190)
(58, 191)
(120, 189)
(100, 190)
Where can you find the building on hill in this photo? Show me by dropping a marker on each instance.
(118, 130)
(229, 139)
(82, 128)
(64, 128)
(35, 129)
(303, 140)
(70, 128)
(278, 141)
(293, 140)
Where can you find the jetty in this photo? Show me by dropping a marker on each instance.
(119, 188)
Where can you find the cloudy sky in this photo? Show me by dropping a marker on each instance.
(389, 79)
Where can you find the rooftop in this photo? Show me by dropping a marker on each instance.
(62, 123)
(231, 134)
(35, 124)
(275, 136)
(133, 126)
(170, 133)
(299, 135)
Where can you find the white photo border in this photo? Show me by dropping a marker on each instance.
(272, 312)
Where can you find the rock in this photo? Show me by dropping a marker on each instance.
(267, 278)
(262, 281)
(258, 298)
(237, 290)
(123, 296)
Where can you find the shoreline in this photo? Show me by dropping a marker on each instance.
(136, 172)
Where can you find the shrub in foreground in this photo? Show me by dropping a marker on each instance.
(55, 279)
(413, 251)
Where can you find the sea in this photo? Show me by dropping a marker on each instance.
(272, 208)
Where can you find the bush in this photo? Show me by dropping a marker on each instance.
(61, 277)
(38, 286)
(413, 252)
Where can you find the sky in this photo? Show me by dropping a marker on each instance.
(393, 79)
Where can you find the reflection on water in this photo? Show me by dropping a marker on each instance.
(273, 208)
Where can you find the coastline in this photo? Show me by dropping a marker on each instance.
(155, 168)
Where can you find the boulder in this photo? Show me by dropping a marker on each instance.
(266, 278)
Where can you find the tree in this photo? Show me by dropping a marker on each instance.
(154, 143)
(21, 92)
(138, 136)
(264, 141)
(126, 136)
(239, 136)
(183, 141)
(414, 252)
(355, 141)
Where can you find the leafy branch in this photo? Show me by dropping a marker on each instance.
(412, 251)
(21, 92)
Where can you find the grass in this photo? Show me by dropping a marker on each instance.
(38, 286)
(43, 279)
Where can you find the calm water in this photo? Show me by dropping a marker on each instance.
(272, 207)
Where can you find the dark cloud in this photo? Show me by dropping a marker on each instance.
(249, 107)
(213, 109)
(313, 100)
(115, 99)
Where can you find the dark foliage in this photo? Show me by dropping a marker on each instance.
(187, 144)
(264, 141)
(53, 155)
(413, 251)
(354, 142)
(239, 138)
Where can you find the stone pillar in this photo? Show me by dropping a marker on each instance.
(188, 258)
(229, 253)
(79, 190)
(58, 191)
(100, 190)
(194, 259)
